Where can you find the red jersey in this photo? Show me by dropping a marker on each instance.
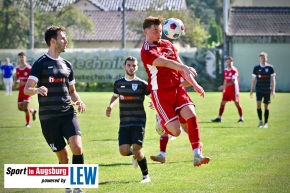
(159, 77)
(23, 73)
(229, 76)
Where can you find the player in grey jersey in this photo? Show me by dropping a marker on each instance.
(131, 92)
(55, 88)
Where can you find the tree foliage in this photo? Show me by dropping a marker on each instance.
(14, 26)
(15, 18)
(210, 13)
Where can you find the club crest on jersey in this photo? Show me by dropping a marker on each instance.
(134, 87)
(267, 69)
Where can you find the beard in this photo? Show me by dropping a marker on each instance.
(130, 74)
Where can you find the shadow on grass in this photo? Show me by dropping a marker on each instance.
(113, 182)
(104, 140)
(115, 164)
(12, 126)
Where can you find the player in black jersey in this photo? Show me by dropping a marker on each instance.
(131, 92)
(55, 89)
(264, 79)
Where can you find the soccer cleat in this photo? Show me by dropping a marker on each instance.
(217, 120)
(266, 125)
(158, 158)
(145, 179)
(27, 125)
(199, 159)
(172, 137)
(158, 127)
(68, 190)
(240, 121)
(33, 115)
(260, 124)
(78, 190)
(134, 162)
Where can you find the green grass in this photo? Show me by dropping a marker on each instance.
(243, 157)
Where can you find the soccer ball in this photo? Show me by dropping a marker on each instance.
(173, 28)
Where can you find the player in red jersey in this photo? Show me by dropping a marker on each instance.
(170, 99)
(22, 74)
(231, 90)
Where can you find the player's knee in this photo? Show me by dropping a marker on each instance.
(77, 150)
(176, 132)
(124, 151)
(64, 160)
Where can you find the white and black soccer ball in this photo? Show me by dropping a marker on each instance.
(173, 28)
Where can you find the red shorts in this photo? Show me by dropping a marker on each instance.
(230, 96)
(169, 101)
(22, 97)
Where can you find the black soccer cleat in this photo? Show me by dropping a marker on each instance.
(217, 120)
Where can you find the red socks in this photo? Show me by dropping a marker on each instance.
(163, 142)
(193, 132)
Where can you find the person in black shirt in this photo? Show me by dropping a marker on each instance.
(131, 92)
(264, 80)
(55, 81)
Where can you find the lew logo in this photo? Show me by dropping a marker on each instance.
(51, 175)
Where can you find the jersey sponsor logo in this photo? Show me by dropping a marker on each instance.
(130, 98)
(52, 79)
(51, 175)
(134, 87)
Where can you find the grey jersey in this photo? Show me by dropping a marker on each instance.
(56, 75)
(131, 97)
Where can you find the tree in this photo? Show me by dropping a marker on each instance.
(14, 22)
(210, 13)
(13, 31)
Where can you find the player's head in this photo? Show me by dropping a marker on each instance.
(55, 36)
(152, 27)
(263, 57)
(131, 65)
(22, 57)
(229, 61)
(7, 60)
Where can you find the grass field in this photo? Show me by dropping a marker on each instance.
(244, 158)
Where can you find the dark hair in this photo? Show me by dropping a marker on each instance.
(229, 58)
(149, 21)
(130, 58)
(21, 54)
(51, 32)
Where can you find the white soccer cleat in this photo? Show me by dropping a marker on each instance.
(199, 159)
(145, 180)
(260, 125)
(158, 127)
(78, 190)
(134, 162)
(158, 158)
(266, 125)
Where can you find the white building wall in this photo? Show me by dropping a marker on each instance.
(246, 56)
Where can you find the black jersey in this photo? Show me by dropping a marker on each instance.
(131, 97)
(56, 75)
(263, 76)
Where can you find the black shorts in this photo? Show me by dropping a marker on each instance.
(55, 130)
(266, 96)
(131, 135)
